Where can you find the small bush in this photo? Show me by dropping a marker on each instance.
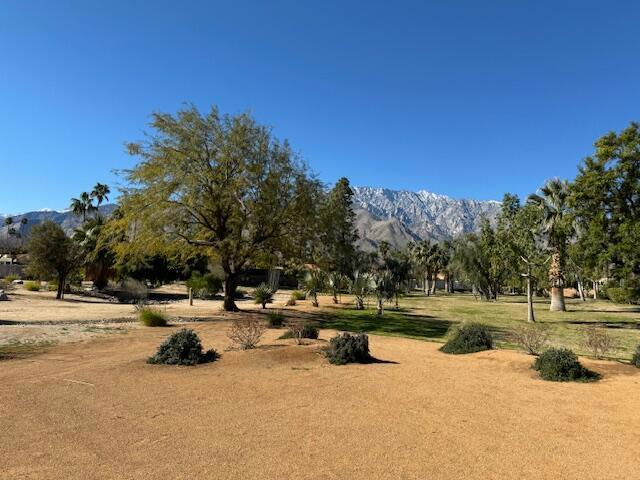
(531, 337)
(347, 348)
(291, 302)
(183, 348)
(635, 360)
(275, 319)
(52, 286)
(262, 295)
(32, 286)
(246, 332)
(151, 317)
(240, 293)
(300, 329)
(562, 365)
(622, 294)
(10, 278)
(298, 295)
(132, 291)
(469, 338)
(204, 286)
(598, 341)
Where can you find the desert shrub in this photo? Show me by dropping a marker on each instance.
(152, 317)
(132, 291)
(622, 294)
(10, 278)
(262, 295)
(635, 359)
(300, 329)
(240, 293)
(275, 319)
(32, 286)
(204, 286)
(183, 348)
(469, 338)
(347, 348)
(531, 337)
(246, 332)
(52, 286)
(562, 365)
(298, 295)
(291, 302)
(598, 341)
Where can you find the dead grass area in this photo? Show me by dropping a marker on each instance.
(96, 410)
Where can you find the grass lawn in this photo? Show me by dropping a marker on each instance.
(430, 318)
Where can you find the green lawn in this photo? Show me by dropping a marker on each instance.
(429, 318)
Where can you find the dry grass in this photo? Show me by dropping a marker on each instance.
(98, 410)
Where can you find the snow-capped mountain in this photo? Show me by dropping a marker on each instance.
(400, 216)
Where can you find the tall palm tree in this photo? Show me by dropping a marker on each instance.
(557, 228)
(100, 192)
(82, 206)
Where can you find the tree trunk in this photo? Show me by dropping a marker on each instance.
(379, 310)
(359, 303)
(530, 315)
(191, 297)
(581, 291)
(434, 283)
(556, 277)
(60, 292)
(595, 290)
(230, 286)
(427, 285)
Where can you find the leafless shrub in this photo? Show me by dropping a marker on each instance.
(296, 327)
(531, 337)
(246, 332)
(598, 341)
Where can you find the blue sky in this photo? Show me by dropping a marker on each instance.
(465, 98)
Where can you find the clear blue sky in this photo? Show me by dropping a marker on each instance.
(465, 98)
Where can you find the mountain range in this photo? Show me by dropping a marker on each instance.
(395, 216)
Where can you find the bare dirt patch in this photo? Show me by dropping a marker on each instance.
(95, 409)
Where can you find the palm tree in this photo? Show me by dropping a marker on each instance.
(100, 192)
(360, 286)
(83, 205)
(314, 283)
(382, 286)
(557, 227)
(336, 282)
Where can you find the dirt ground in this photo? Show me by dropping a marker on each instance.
(96, 410)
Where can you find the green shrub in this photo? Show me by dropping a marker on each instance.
(52, 286)
(635, 360)
(11, 278)
(562, 365)
(204, 286)
(298, 295)
(301, 330)
(275, 319)
(132, 291)
(183, 348)
(240, 293)
(622, 294)
(32, 286)
(469, 338)
(151, 317)
(262, 295)
(347, 348)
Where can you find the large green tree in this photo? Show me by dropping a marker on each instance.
(52, 254)
(220, 184)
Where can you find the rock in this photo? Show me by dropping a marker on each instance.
(3, 296)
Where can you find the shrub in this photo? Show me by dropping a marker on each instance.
(240, 293)
(598, 341)
(151, 317)
(291, 302)
(298, 295)
(469, 338)
(531, 337)
(562, 365)
(262, 294)
(246, 332)
(10, 278)
(635, 360)
(622, 294)
(183, 348)
(300, 329)
(275, 319)
(204, 286)
(132, 291)
(52, 286)
(32, 286)
(347, 348)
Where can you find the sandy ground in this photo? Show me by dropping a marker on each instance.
(96, 410)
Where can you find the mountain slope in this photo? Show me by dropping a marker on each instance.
(399, 216)
(67, 220)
